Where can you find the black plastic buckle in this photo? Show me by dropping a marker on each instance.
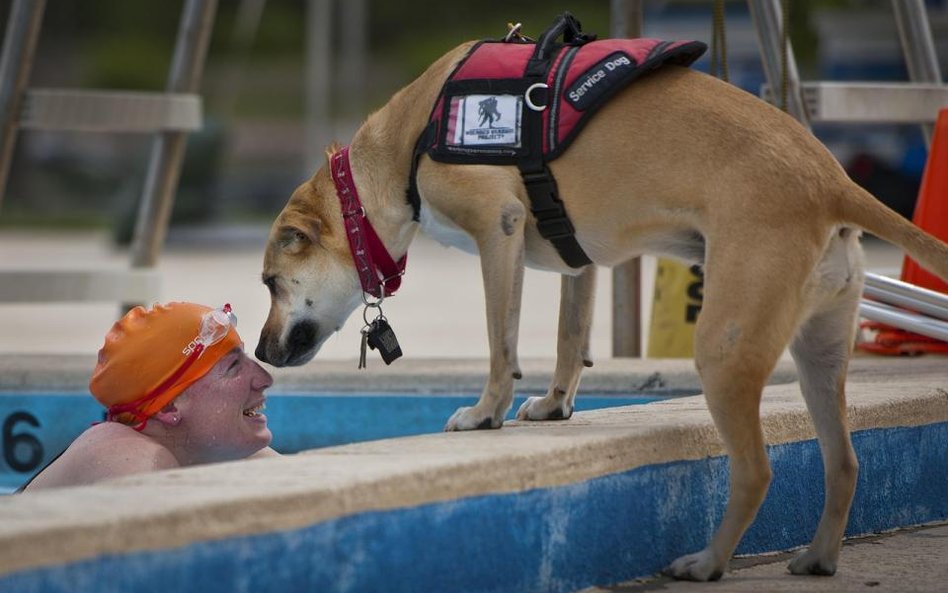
(541, 188)
(555, 228)
(552, 221)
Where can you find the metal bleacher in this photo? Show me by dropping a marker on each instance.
(170, 115)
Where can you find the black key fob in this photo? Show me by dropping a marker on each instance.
(381, 337)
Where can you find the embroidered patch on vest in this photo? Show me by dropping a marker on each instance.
(484, 120)
(603, 77)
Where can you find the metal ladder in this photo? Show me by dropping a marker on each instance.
(914, 102)
(170, 115)
(852, 102)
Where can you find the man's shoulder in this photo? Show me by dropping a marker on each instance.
(106, 450)
(124, 449)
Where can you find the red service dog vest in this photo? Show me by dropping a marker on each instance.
(523, 103)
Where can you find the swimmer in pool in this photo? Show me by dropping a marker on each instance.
(179, 391)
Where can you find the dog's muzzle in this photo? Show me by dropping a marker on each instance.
(299, 347)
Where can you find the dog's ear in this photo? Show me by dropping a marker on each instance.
(293, 239)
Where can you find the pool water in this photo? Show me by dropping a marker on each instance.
(38, 426)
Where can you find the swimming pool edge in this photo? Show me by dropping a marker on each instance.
(160, 514)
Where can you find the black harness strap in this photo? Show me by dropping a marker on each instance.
(553, 222)
(424, 142)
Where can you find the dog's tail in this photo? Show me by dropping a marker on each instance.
(861, 208)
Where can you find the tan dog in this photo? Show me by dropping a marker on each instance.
(678, 163)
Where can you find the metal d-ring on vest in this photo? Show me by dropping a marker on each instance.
(529, 101)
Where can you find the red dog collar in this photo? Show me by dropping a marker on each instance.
(379, 273)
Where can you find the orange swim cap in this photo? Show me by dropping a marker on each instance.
(151, 356)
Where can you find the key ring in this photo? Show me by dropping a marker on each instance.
(365, 312)
(381, 297)
(513, 32)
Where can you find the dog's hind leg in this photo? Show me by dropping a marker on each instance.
(821, 350)
(501, 246)
(577, 294)
(748, 316)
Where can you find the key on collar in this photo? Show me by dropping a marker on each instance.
(378, 335)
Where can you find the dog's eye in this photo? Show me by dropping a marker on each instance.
(270, 283)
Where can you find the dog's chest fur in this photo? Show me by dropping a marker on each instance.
(443, 230)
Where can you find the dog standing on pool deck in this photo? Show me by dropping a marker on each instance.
(678, 163)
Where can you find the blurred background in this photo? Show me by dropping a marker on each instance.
(285, 77)
(254, 151)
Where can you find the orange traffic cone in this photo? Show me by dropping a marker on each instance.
(931, 214)
(931, 211)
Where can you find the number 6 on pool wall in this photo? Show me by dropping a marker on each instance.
(11, 441)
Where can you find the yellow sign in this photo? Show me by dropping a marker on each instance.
(675, 307)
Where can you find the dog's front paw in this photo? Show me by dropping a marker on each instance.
(544, 408)
(471, 419)
(809, 562)
(696, 567)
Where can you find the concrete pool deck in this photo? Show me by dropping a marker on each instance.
(910, 560)
(613, 375)
(552, 498)
(437, 313)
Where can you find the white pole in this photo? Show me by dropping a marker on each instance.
(317, 71)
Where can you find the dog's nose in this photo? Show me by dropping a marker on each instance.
(301, 341)
(261, 351)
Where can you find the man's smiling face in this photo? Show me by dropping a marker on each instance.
(221, 413)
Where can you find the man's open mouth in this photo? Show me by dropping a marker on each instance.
(255, 411)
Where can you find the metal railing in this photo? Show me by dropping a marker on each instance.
(170, 115)
(905, 306)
